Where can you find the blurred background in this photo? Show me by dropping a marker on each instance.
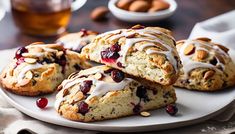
(181, 22)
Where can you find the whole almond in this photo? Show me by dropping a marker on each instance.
(124, 4)
(158, 5)
(204, 39)
(99, 13)
(139, 6)
(190, 49)
(202, 54)
(225, 49)
(208, 74)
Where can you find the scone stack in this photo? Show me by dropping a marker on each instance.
(141, 64)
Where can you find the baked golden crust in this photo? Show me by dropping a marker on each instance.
(147, 52)
(207, 66)
(107, 99)
(76, 41)
(40, 69)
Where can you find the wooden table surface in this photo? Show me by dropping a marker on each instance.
(188, 13)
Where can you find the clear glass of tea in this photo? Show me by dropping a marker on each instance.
(41, 17)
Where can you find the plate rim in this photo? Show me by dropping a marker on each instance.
(100, 127)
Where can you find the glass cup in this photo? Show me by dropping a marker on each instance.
(41, 17)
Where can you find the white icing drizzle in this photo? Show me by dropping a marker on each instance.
(99, 87)
(102, 87)
(74, 42)
(189, 64)
(26, 69)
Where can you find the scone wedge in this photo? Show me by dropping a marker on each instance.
(102, 93)
(207, 66)
(146, 52)
(39, 68)
(76, 41)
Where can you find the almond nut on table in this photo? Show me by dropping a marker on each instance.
(99, 13)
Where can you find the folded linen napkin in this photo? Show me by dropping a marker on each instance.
(221, 29)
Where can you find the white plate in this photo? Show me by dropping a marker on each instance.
(141, 17)
(2, 13)
(193, 107)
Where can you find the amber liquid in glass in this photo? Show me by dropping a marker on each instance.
(41, 22)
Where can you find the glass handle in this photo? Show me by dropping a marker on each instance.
(76, 4)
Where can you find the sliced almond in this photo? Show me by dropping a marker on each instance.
(38, 49)
(65, 92)
(37, 43)
(202, 54)
(60, 53)
(30, 60)
(24, 82)
(190, 49)
(208, 74)
(180, 42)
(98, 76)
(11, 72)
(55, 46)
(59, 87)
(29, 75)
(220, 58)
(138, 26)
(145, 114)
(204, 39)
(225, 49)
(29, 55)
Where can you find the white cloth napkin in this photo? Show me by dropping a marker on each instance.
(221, 29)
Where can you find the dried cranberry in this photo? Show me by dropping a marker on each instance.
(171, 109)
(19, 61)
(83, 108)
(20, 51)
(136, 108)
(109, 56)
(85, 86)
(42, 102)
(141, 92)
(84, 32)
(119, 64)
(115, 48)
(117, 75)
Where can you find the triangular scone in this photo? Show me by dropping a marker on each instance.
(146, 52)
(76, 41)
(39, 69)
(101, 93)
(207, 66)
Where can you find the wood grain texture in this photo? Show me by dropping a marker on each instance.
(188, 13)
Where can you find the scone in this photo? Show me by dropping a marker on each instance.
(76, 41)
(146, 52)
(39, 69)
(101, 93)
(207, 66)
